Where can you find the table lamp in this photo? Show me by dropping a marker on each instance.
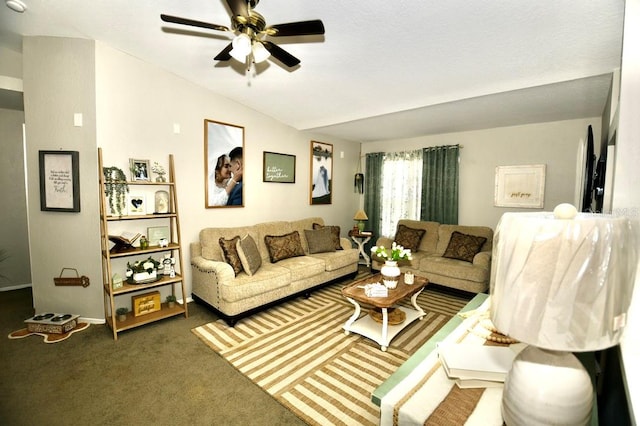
(560, 282)
(360, 216)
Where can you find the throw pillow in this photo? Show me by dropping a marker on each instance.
(230, 253)
(319, 240)
(249, 255)
(463, 247)
(283, 246)
(409, 238)
(335, 234)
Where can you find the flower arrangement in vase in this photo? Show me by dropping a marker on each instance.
(159, 170)
(390, 271)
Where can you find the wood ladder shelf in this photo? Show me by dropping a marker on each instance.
(174, 249)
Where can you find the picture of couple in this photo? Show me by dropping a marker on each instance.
(223, 149)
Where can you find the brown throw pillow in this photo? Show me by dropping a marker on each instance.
(335, 234)
(409, 238)
(249, 255)
(231, 253)
(283, 246)
(463, 247)
(319, 240)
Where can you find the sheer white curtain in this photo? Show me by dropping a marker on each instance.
(400, 189)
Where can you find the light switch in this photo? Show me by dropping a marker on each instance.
(77, 119)
(176, 128)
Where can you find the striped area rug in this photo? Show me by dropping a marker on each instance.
(299, 354)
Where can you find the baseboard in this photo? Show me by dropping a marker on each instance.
(16, 287)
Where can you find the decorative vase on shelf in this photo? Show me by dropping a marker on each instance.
(390, 273)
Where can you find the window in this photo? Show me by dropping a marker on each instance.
(401, 186)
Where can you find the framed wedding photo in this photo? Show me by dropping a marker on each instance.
(59, 181)
(223, 165)
(321, 173)
(140, 170)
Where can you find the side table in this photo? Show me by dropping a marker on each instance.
(362, 238)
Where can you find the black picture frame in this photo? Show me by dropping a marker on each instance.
(278, 167)
(59, 181)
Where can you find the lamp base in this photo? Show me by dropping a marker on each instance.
(547, 387)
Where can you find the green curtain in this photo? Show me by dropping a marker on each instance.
(372, 202)
(440, 184)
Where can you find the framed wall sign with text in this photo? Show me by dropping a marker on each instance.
(278, 167)
(59, 181)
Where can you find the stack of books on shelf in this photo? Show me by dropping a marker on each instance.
(474, 366)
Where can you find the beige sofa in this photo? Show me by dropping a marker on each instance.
(237, 295)
(429, 261)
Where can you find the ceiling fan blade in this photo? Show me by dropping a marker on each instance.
(280, 54)
(313, 27)
(224, 54)
(238, 7)
(185, 21)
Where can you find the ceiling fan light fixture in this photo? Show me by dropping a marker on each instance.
(241, 47)
(260, 53)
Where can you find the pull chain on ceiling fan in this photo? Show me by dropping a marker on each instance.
(250, 44)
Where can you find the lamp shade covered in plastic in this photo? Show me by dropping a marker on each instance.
(563, 284)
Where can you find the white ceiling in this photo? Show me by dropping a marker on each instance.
(384, 69)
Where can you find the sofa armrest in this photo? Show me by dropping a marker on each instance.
(221, 270)
(384, 241)
(345, 243)
(482, 259)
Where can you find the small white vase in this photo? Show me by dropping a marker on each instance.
(390, 273)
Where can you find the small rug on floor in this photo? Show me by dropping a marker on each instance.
(298, 353)
(48, 337)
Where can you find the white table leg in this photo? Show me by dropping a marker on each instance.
(385, 329)
(352, 318)
(414, 302)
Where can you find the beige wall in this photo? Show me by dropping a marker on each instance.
(554, 144)
(58, 82)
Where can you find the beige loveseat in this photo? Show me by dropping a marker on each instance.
(429, 259)
(235, 295)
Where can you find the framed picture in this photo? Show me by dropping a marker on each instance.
(156, 233)
(223, 165)
(321, 173)
(140, 169)
(278, 167)
(59, 181)
(136, 204)
(520, 186)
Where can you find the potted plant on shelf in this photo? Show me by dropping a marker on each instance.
(122, 314)
(115, 187)
(171, 301)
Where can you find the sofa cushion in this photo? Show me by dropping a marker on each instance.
(463, 246)
(335, 234)
(231, 253)
(335, 260)
(319, 240)
(283, 246)
(436, 265)
(409, 238)
(249, 254)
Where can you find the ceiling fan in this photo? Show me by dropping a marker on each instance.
(249, 45)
